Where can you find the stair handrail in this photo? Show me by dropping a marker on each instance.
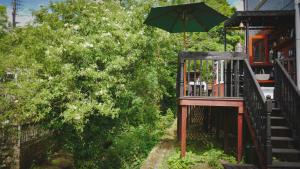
(257, 86)
(288, 97)
(290, 80)
(259, 109)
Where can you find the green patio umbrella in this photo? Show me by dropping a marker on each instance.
(194, 17)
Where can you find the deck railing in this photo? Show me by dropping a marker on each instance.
(210, 74)
(288, 97)
(259, 109)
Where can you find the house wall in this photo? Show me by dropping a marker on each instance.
(270, 4)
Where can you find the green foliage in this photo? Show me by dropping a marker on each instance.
(211, 156)
(3, 20)
(176, 162)
(92, 72)
(140, 139)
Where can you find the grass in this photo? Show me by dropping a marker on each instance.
(205, 153)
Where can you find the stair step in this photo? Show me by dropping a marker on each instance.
(276, 109)
(285, 151)
(277, 118)
(282, 139)
(281, 165)
(280, 128)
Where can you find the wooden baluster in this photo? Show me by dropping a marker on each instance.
(238, 79)
(231, 78)
(219, 76)
(235, 78)
(188, 81)
(268, 131)
(225, 78)
(207, 76)
(200, 78)
(182, 77)
(213, 77)
(195, 71)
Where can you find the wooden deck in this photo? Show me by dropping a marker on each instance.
(210, 79)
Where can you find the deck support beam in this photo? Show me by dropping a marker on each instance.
(226, 130)
(240, 134)
(183, 130)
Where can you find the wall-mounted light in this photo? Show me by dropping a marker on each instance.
(242, 25)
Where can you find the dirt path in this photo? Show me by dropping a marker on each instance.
(157, 158)
(59, 160)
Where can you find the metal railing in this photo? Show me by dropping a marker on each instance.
(288, 97)
(290, 66)
(259, 109)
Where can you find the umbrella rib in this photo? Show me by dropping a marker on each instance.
(199, 22)
(174, 23)
(155, 17)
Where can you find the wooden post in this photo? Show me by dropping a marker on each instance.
(179, 123)
(269, 142)
(218, 124)
(181, 93)
(184, 78)
(240, 134)
(226, 133)
(183, 130)
(297, 33)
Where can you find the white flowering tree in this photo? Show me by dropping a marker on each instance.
(3, 20)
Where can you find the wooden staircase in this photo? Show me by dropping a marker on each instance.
(285, 153)
(274, 125)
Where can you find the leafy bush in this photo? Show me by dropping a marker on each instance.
(176, 162)
(3, 21)
(201, 153)
(213, 157)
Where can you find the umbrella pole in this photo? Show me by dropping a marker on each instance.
(184, 40)
(184, 32)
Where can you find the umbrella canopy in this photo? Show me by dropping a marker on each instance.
(195, 17)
